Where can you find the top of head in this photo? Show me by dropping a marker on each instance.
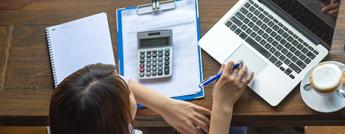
(326, 77)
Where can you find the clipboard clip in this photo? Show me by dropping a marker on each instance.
(156, 6)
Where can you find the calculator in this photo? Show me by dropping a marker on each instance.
(155, 54)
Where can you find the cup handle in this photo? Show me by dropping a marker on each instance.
(307, 87)
(341, 92)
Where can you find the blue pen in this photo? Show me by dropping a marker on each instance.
(217, 76)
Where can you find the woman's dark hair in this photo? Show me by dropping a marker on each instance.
(93, 100)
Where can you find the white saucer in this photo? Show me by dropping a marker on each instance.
(319, 103)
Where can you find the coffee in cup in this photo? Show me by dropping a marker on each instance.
(326, 78)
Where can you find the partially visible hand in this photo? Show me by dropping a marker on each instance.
(186, 117)
(231, 85)
(332, 8)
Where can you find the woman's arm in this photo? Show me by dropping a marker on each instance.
(185, 117)
(226, 92)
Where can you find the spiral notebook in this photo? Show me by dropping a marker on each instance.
(78, 43)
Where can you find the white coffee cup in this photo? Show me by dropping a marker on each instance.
(326, 79)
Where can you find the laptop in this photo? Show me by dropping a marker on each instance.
(279, 40)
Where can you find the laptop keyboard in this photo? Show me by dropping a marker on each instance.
(272, 39)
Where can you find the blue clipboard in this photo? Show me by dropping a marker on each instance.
(119, 11)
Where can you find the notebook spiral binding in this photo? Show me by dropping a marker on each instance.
(51, 58)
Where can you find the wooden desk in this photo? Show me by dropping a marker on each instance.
(25, 76)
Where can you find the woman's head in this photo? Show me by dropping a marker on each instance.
(93, 100)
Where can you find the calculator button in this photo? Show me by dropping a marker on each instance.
(160, 68)
(160, 50)
(166, 58)
(154, 73)
(167, 53)
(148, 74)
(142, 65)
(142, 56)
(142, 69)
(160, 72)
(160, 63)
(148, 65)
(160, 54)
(148, 69)
(154, 51)
(142, 52)
(167, 49)
(160, 59)
(154, 55)
(154, 69)
(148, 52)
(154, 64)
(142, 60)
(154, 59)
(148, 56)
(142, 74)
(148, 60)
(166, 62)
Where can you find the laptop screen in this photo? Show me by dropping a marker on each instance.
(308, 13)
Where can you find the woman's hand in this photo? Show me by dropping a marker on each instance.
(186, 117)
(230, 86)
(332, 8)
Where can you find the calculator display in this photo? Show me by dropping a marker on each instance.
(154, 42)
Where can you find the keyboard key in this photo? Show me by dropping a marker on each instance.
(272, 50)
(256, 12)
(265, 36)
(251, 24)
(263, 42)
(269, 30)
(284, 51)
(249, 31)
(249, 15)
(267, 46)
(289, 54)
(278, 63)
(294, 58)
(228, 23)
(273, 59)
(233, 27)
(275, 27)
(270, 23)
(300, 46)
(307, 61)
(278, 38)
(291, 76)
(310, 55)
(244, 27)
(282, 68)
(261, 16)
(316, 52)
(279, 47)
(300, 64)
(282, 57)
(239, 15)
(275, 43)
(256, 28)
(243, 10)
(293, 49)
(280, 31)
(246, 21)
(295, 43)
(287, 61)
(260, 32)
(302, 57)
(258, 38)
(247, 5)
(251, 9)
(263, 26)
(290, 39)
(285, 35)
(270, 40)
(277, 54)
(259, 48)
(288, 45)
(288, 71)
(273, 34)
(295, 68)
(298, 53)
(243, 35)
(253, 35)
(238, 31)
(283, 41)
(254, 19)
(304, 50)
(236, 21)
(266, 20)
(259, 23)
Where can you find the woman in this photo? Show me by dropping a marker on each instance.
(96, 100)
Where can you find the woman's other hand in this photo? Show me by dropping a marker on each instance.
(186, 117)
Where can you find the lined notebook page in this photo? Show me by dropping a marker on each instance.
(78, 43)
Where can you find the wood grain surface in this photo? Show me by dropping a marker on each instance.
(25, 74)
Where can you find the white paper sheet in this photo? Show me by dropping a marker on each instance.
(78, 43)
(186, 71)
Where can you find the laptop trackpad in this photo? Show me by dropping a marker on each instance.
(255, 63)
